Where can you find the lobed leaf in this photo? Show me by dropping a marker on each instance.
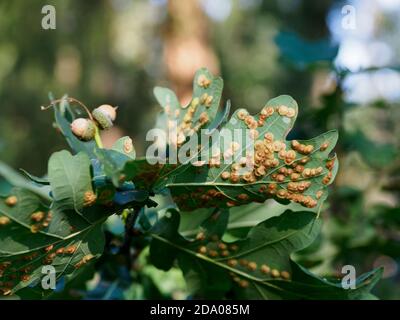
(125, 146)
(297, 171)
(199, 113)
(35, 233)
(257, 164)
(70, 179)
(258, 267)
(16, 179)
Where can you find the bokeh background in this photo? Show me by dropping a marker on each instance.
(116, 51)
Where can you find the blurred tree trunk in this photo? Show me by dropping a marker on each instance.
(187, 45)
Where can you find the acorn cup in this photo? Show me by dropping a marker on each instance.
(105, 116)
(84, 129)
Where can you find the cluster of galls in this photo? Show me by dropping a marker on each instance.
(10, 201)
(84, 261)
(252, 266)
(40, 220)
(21, 269)
(199, 197)
(6, 283)
(215, 248)
(263, 270)
(269, 154)
(103, 117)
(289, 178)
(219, 250)
(52, 252)
(89, 197)
(188, 126)
(252, 123)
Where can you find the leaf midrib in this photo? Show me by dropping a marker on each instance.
(60, 239)
(254, 280)
(266, 244)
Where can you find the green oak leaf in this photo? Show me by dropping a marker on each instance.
(240, 220)
(204, 221)
(198, 113)
(305, 285)
(221, 118)
(150, 176)
(201, 112)
(18, 180)
(35, 233)
(38, 180)
(289, 171)
(125, 146)
(70, 179)
(297, 170)
(258, 267)
(112, 163)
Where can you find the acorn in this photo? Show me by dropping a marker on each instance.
(105, 115)
(83, 128)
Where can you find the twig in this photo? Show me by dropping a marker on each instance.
(126, 246)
